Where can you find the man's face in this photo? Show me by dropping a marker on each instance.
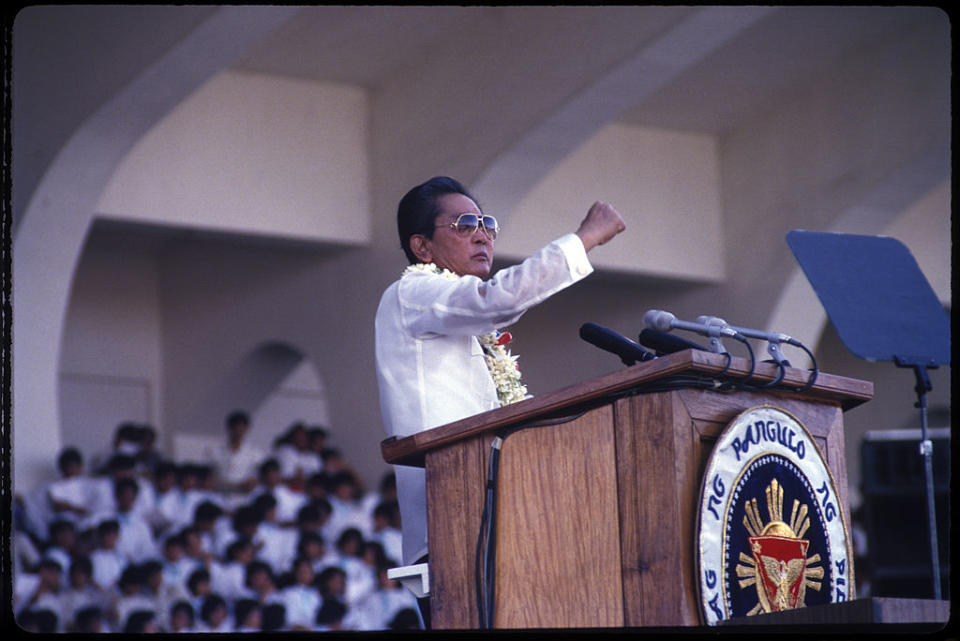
(237, 432)
(462, 254)
(126, 499)
(72, 468)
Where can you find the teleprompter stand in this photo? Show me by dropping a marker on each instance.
(883, 309)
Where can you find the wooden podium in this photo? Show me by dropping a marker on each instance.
(596, 514)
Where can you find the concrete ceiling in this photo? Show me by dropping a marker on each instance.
(68, 60)
(365, 45)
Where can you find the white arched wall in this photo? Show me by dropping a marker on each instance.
(665, 184)
(51, 233)
(275, 383)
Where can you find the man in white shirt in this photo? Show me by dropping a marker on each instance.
(136, 542)
(431, 367)
(237, 459)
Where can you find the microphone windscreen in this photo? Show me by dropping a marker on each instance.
(609, 340)
(663, 343)
(659, 320)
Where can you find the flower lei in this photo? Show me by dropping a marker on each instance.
(501, 363)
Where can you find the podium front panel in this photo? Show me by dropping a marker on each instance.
(558, 564)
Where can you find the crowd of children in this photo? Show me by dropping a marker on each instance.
(240, 541)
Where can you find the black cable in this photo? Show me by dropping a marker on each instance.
(478, 579)
(742, 383)
(782, 371)
(753, 359)
(726, 367)
(816, 369)
(490, 551)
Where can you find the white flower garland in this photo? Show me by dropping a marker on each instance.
(501, 363)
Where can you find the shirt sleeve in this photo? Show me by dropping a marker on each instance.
(433, 305)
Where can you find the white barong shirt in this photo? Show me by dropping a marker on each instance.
(430, 366)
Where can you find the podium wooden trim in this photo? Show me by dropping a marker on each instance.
(596, 515)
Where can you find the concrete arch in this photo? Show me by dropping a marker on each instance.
(51, 233)
(253, 384)
(276, 383)
(518, 168)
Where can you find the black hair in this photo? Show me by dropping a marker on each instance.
(237, 546)
(123, 484)
(196, 577)
(128, 431)
(274, 617)
(137, 621)
(264, 503)
(207, 511)
(307, 537)
(132, 575)
(308, 514)
(44, 621)
(164, 468)
(269, 465)
(61, 525)
(49, 563)
(418, 209)
(405, 619)
(176, 539)
(298, 561)
(150, 567)
(237, 417)
(185, 606)
(187, 469)
(383, 510)
(330, 452)
(246, 516)
(67, 456)
(388, 482)
(323, 579)
(256, 566)
(379, 554)
(318, 479)
(121, 462)
(323, 507)
(85, 617)
(350, 534)
(210, 603)
(331, 611)
(242, 609)
(108, 526)
(81, 563)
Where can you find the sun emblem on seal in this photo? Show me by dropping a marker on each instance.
(779, 565)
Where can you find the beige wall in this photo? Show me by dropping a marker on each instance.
(253, 154)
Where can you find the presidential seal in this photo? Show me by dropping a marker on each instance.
(770, 532)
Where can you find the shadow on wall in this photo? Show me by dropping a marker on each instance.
(275, 383)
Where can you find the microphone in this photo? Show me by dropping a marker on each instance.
(610, 341)
(663, 343)
(770, 337)
(665, 321)
(773, 338)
